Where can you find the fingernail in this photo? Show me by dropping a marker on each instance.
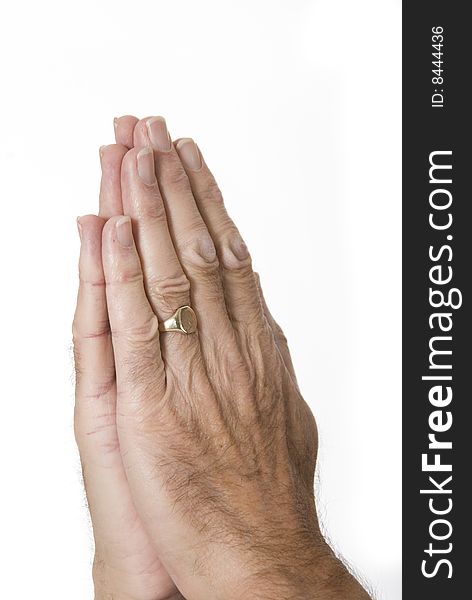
(115, 123)
(79, 228)
(145, 162)
(124, 233)
(189, 154)
(101, 150)
(158, 134)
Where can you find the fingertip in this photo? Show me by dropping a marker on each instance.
(140, 133)
(124, 232)
(109, 227)
(179, 142)
(137, 168)
(189, 154)
(90, 219)
(112, 154)
(129, 159)
(118, 233)
(89, 226)
(124, 129)
(154, 127)
(128, 170)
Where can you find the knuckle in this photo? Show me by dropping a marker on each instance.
(210, 192)
(194, 229)
(94, 420)
(227, 230)
(151, 207)
(169, 292)
(138, 334)
(98, 390)
(125, 275)
(79, 333)
(237, 267)
(174, 175)
(91, 283)
(198, 251)
(235, 256)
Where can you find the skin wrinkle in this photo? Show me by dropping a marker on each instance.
(80, 369)
(99, 283)
(151, 212)
(109, 419)
(173, 175)
(195, 231)
(217, 446)
(102, 390)
(200, 254)
(80, 332)
(105, 332)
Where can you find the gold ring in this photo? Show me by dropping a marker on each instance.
(184, 320)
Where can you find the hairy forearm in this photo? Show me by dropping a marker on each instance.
(323, 580)
(297, 573)
(327, 582)
(321, 577)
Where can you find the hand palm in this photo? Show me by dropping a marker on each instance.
(124, 552)
(124, 555)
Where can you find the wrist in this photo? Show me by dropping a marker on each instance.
(312, 573)
(110, 584)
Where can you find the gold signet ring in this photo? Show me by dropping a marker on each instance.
(184, 320)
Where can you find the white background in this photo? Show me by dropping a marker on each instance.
(296, 106)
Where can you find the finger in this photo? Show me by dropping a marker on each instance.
(279, 336)
(134, 326)
(95, 371)
(124, 128)
(190, 235)
(108, 493)
(165, 282)
(241, 292)
(110, 185)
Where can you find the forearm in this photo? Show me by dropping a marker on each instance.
(106, 593)
(111, 584)
(323, 577)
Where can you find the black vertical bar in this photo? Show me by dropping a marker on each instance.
(436, 118)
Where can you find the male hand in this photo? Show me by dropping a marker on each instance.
(212, 447)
